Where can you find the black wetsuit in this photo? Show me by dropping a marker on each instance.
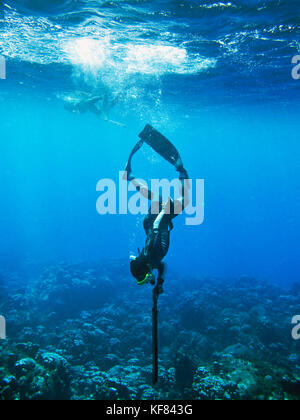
(158, 240)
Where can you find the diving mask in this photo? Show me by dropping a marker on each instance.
(149, 278)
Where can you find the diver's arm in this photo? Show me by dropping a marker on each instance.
(160, 279)
(161, 270)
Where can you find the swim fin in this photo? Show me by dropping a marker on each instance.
(162, 146)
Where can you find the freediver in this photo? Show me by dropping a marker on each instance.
(82, 102)
(158, 223)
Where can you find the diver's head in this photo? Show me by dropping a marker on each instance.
(141, 270)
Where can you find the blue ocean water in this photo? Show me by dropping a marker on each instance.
(217, 79)
(213, 77)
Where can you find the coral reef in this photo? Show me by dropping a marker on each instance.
(84, 332)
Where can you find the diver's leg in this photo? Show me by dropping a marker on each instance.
(184, 200)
